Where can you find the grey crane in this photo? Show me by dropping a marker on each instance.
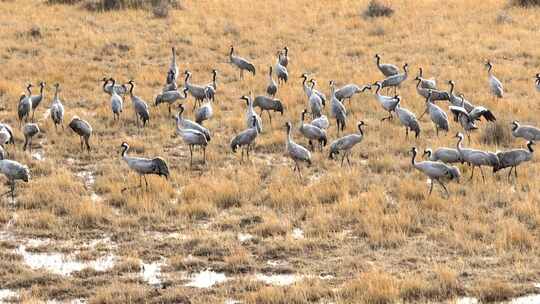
(386, 68)
(387, 102)
(29, 131)
(171, 83)
(315, 102)
(144, 166)
(446, 155)
(495, 85)
(424, 82)
(284, 57)
(525, 131)
(241, 63)
(435, 94)
(271, 89)
(281, 71)
(478, 112)
(308, 90)
(395, 81)
(204, 112)
(295, 151)
(83, 129)
(312, 133)
(170, 97)
(245, 139)
(338, 110)
(476, 158)
(57, 109)
(25, 105)
(6, 134)
(349, 90)
(466, 122)
(14, 171)
(437, 115)
(513, 158)
(139, 105)
(182, 123)
(3, 153)
(321, 122)
(172, 74)
(458, 100)
(407, 119)
(117, 103)
(36, 99)
(211, 88)
(251, 114)
(537, 82)
(346, 143)
(197, 91)
(193, 138)
(121, 89)
(268, 104)
(436, 171)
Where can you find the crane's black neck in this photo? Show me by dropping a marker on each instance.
(421, 73)
(131, 88)
(124, 150)
(303, 115)
(529, 146)
(451, 88)
(360, 129)
(41, 87)
(413, 160)
(187, 77)
(232, 51)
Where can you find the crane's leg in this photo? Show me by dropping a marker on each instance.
(348, 160)
(472, 173)
(82, 147)
(140, 181)
(515, 172)
(247, 152)
(190, 155)
(55, 127)
(430, 188)
(87, 142)
(12, 190)
(482, 172)
(444, 187)
(241, 74)
(437, 131)
(204, 154)
(389, 117)
(406, 133)
(146, 182)
(310, 145)
(342, 159)
(62, 124)
(270, 117)
(509, 174)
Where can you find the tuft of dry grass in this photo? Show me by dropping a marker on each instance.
(525, 3)
(376, 8)
(497, 133)
(374, 287)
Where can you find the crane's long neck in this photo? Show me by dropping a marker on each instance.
(124, 151)
(529, 146)
(214, 80)
(378, 61)
(131, 89)
(360, 130)
(41, 90)
(29, 90)
(377, 90)
(418, 83)
(55, 98)
(105, 82)
(451, 88)
(186, 80)
(413, 160)
(458, 145)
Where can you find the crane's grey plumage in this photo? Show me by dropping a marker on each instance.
(495, 85)
(386, 69)
(436, 171)
(525, 131)
(211, 88)
(251, 114)
(83, 129)
(346, 143)
(13, 171)
(117, 103)
(182, 123)
(121, 89)
(172, 74)
(462, 116)
(268, 104)
(25, 105)
(387, 102)
(204, 112)
(6, 134)
(29, 131)
(308, 90)
(321, 122)
(296, 151)
(36, 99)
(241, 63)
(435, 94)
(349, 90)
(446, 155)
(284, 57)
(271, 89)
(245, 139)
(170, 97)
(513, 158)
(197, 91)
(193, 138)
(57, 109)
(145, 166)
(476, 158)
(426, 83)
(437, 115)
(171, 84)
(407, 119)
(281, 71)
(312, 133)
(338, 110)
(395, 81)
(139, 105)
(458, 100)
(315, 101)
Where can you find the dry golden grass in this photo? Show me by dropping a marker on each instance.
(371, 227)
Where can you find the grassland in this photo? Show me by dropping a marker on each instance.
(370, 232)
